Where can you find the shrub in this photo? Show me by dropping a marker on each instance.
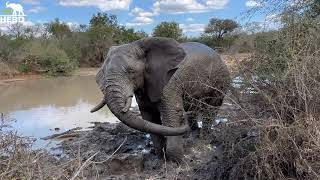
(278, 135)
(45, 56)
(169, 30)
(6, 70)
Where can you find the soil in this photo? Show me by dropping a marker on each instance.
(5, 79)
(121, 152)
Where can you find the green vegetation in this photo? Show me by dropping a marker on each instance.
(45, 56)
(57, 48)
(169, 30)
(218, 31)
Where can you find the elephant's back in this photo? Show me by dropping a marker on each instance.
(198, 50)
(202, 57)
(202, 65)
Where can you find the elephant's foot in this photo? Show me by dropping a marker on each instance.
(174, 148)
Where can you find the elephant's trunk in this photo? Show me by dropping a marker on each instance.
(172, 105)
(118, 93)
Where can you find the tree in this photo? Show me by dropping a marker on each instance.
(217, 30)
(103, 19)
(16, 30)
(314, 8)
(103, 31)
(220, 27)
(130, 35)
(59, 29)
(169, 30)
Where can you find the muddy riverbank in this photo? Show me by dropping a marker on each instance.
(5, 79)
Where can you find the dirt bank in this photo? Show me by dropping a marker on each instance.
(5, 79)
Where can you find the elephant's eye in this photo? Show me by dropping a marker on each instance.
(130, 70)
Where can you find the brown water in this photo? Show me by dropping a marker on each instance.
(39, 106)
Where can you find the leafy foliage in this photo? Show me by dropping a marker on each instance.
(45, 56)
(58, 29)
(129, 35)
(169, 30)
(219, 34)
(84, 45)
(219, 27)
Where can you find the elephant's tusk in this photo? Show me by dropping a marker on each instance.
(99, 106)
(128, 104)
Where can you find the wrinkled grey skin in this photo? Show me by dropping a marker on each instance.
(198, 87)
(167, 78)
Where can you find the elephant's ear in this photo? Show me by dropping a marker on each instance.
(162, 58)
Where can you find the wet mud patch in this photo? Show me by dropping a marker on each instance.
(116, 151)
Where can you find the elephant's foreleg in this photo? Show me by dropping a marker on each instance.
(172, 112)
(174, 148)
(158, 143)
(157, 140)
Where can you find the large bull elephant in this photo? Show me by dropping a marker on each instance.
(167, 79)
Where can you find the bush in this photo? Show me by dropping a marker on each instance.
(168, 30)
(277, 135)
(45, 56)
(6, 70)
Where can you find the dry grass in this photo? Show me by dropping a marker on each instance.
(276, 133)
(19, 161)
(233, 60)
(6, 70)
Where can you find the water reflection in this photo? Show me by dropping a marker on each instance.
(41, 105)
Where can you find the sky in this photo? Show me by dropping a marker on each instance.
(192, 15)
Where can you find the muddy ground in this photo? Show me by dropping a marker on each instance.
(123, 153)
(119, 152)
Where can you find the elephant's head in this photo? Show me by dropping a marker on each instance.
(142, 65)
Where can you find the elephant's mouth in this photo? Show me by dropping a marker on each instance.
(118, 97)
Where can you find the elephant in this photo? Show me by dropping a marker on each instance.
(170, 81)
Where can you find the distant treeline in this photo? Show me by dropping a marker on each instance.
(58, 48)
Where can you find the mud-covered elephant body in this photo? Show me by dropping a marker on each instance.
(167, 79)
(196, 88)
